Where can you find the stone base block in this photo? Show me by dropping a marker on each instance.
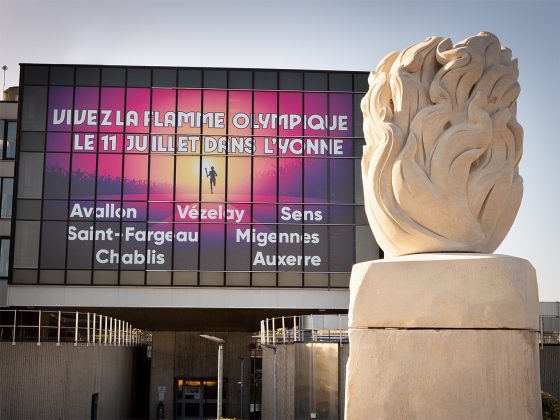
(443, 374)
(444, 291)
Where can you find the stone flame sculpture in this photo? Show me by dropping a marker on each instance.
(450, 332)
(440, 168)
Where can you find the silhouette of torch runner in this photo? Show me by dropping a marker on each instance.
(212, 174)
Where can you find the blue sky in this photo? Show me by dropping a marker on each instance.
(338, 35)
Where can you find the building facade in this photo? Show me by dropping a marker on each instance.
(187, 201)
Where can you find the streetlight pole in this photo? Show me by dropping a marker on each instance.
(4, 67)
(220, 343)
(242, 362)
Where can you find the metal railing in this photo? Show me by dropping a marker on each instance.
(304, 328)
(549, 329)
(27, 325)
(333, 328)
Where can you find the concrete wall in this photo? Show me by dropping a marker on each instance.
(285, 359)
(187, 355)
(310, 378)
(46, 381)
(550, 369)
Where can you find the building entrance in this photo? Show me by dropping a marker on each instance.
(196, 398)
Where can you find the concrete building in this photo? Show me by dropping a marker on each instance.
(184, 201)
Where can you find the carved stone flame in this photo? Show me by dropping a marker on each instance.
(440, 168)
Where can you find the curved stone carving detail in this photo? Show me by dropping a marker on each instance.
(440, 165)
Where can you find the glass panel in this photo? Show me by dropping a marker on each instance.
(2, 138)
(158, 278)
(11, 140)
(7, 196)
(366, 247)
(135, 183)
(265, 80)
(158, 256)
(33, 109)
(185, 252)
(134, 246)
(163, 111)
(137, 103)
(83, 176)
(187, 178)
(138, 77)
(361, 82)
(57, 168)
(53, 242)
(238, 253)
(164, 77)
(79, 246)
(86, 116)
(212, 246)
(78, 277)
(214, 175)
(87, 76)
(30, 209)
(109, 177)
(62, 75)
(30, 176)
(60, 108)
(340, 81)
(161, 177)
(291, 80)
(35, 75)
(30, 141)
(315, 81)
(189, 102)
(107, 245)
(112, 106)
(240, 79)
(341, 252)
(112, 76)
(290, 167)
(190, 78)
(215, 79)
(26, 248)
(4, 257)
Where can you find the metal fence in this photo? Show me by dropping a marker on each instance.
(304, 328)
(334, 328)
(26, 325)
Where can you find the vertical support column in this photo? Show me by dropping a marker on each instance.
(87, 335)
(220, 379)
(93, 329)
(76, 330)
(14, 329)
(105, 335)
(266, 324)
(58, 329)
(39, 329)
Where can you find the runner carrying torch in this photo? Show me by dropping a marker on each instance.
(212, 174)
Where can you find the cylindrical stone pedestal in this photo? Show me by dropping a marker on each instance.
(443, 336)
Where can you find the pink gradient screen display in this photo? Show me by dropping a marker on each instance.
(200, 179)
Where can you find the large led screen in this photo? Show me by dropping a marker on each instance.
(197, 180)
